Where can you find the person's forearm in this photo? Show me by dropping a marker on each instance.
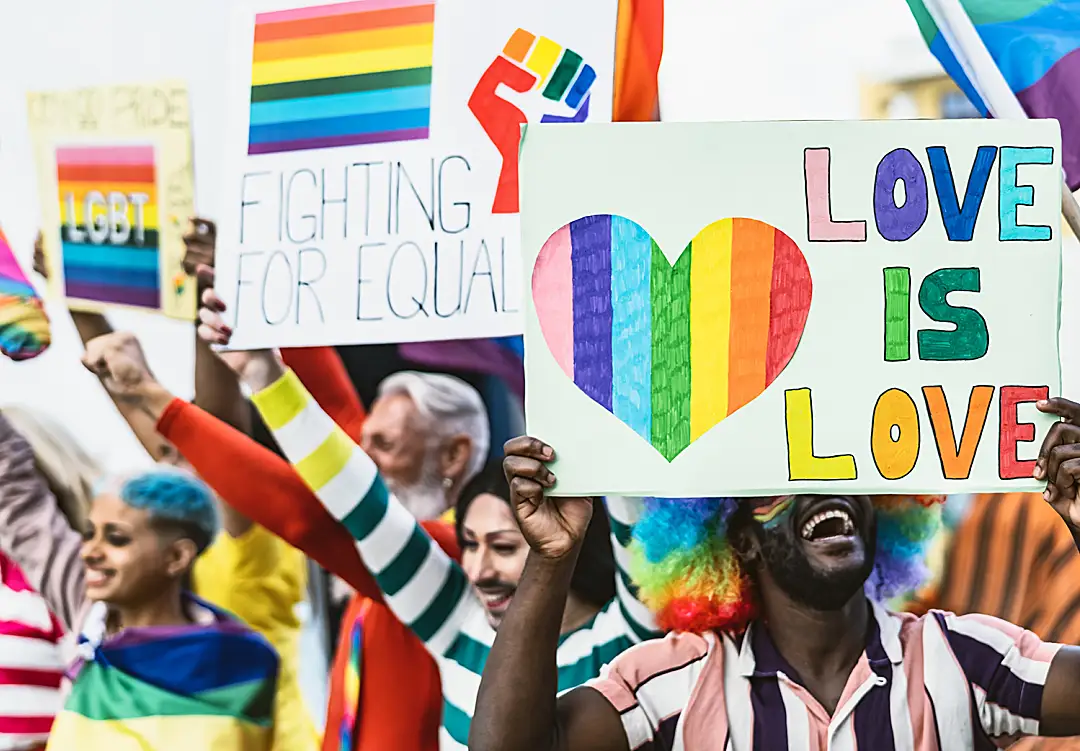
(217, 392)
(515, 707)
(90, 325)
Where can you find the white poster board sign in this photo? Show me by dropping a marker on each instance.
(372, 161)
(768, 308)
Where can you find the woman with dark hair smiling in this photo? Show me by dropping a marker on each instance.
(493, 551)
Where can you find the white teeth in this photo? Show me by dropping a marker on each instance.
(808, 528)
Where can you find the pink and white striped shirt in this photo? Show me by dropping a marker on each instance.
(31, 662)
(937, 683)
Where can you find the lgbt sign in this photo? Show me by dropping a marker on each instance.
(372, 160)
(117, 188)
(766, 308)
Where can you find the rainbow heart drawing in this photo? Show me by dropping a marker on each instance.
(671, 351)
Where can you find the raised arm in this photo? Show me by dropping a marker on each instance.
(323, 373)
(265, 488)
(34, 532)
(517, 706)
(624, 513)
(252, 479)
(1059, 465)
(424, 587)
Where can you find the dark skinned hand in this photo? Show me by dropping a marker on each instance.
(553, 527)
(1059, 459)
(199, 243)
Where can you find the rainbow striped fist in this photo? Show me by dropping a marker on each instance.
(24, 327)
(671, 351)
(527, 63)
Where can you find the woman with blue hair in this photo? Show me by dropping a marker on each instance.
(201, 678)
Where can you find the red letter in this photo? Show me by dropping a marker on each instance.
(1011, 432)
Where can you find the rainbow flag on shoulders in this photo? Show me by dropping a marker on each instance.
(205, 687)
(1035, 46)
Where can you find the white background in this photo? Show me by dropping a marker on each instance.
(686, 176)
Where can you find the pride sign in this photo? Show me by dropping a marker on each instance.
(766, 308)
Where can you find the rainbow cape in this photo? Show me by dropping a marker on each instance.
(1035, 44)
(24, 327)
(171, 689)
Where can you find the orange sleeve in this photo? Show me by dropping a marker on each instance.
(324, 375)
(265, 488)
(639, 45)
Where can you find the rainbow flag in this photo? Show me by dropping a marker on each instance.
(173, 689)
(24, 327)
(1036, 46)
(344, 74)
(109, 224)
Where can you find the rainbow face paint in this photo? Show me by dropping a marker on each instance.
(771, 514)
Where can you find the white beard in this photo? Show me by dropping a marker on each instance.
(424, 499)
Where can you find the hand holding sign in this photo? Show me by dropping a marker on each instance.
(1059, 460)
(557, 72)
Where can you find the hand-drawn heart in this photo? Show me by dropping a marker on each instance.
(671, 350)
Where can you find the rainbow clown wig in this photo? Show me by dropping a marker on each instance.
(690, 577)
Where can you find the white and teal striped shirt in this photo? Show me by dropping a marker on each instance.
(424, 587)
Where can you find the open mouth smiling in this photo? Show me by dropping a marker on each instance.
(831, 520)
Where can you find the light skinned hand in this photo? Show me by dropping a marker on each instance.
(118, 360)
(258, 368)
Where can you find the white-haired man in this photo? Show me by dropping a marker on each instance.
(429, 436)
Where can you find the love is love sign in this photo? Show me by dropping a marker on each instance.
(765, 308)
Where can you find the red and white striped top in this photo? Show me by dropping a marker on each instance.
(31, 662)
(937, 683)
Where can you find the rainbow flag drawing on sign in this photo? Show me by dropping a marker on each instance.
(344, 74)
(109, 224)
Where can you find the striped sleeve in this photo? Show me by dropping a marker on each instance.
(424, 587)
(1007, 668)
(650, 685)
(624, 512)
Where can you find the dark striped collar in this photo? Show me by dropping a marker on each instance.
(759, 657)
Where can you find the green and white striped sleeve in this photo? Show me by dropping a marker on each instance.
(424, 587)
(624, 513)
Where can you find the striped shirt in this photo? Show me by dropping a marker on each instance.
(31, 662)
(937, 683)
(424, 587)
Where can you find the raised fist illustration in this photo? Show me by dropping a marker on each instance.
(528, 63)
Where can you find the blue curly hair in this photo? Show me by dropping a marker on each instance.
(175, 499)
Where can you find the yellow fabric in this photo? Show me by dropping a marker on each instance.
(260, 579)
(281, 401)
(72, 732)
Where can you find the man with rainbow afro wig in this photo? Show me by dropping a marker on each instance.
(779, 639)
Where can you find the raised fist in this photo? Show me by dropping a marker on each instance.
(527, 63)
(118, 360)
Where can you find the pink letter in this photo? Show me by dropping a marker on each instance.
(820, 225)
